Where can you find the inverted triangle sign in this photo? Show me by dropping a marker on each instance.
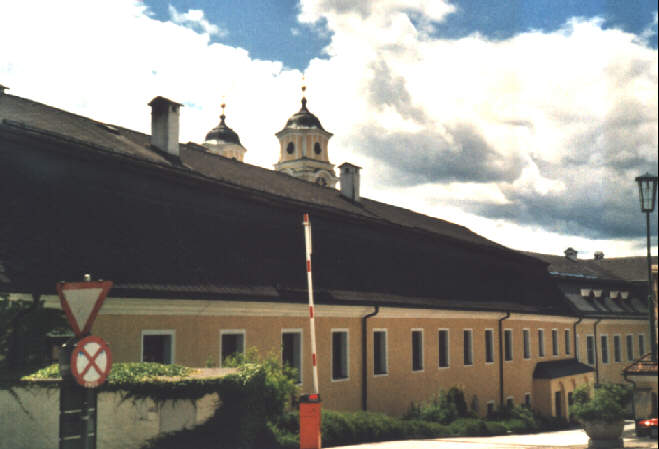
(81, 302)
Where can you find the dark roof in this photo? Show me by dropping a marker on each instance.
(560, 368)
(223, 133)
(633, 269)
(629, 269)
(20, 112)
(642, 367)
(303, 119)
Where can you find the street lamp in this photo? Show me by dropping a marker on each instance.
(647, 190)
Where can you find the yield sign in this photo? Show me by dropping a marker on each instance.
(81, 302)
(91, 362)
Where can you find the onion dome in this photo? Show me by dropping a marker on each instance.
(222, 132)
(303, 118)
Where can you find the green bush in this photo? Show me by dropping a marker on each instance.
(443, 408)
(495, 428)
(607, 404)
(469, 427)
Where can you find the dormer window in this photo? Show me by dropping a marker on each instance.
(613, 294)
(290, 148)
(597, 293)
(585, 292)
(624, 295)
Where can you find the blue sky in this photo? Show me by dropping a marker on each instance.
(527, 121)
(269, 29)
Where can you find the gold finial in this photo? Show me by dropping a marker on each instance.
(304, 98)
(223, 105)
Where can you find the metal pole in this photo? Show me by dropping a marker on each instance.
(653, 337)
(312, 325)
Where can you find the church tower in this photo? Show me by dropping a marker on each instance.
(303, 148)
(224, 141)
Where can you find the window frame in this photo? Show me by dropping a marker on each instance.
(527, 400)
(555, 350)
(170, 332)
(489, 345)
(591, 349)
(526, 343)
(630, 354)
(421, 358)
(508, 354)
(223, 332)
(468, 350)
(299, 331)
(567, 335)
(448, 348)
(617, 352)
(541, 342)
(604, 349)
(641, 345)
(385, 356)
(346, 331)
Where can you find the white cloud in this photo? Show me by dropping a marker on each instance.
(572, 113)
(194, 19)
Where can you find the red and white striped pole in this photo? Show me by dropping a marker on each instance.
(312, 326)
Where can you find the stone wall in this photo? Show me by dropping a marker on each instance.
(29, 418)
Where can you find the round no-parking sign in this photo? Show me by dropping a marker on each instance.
(91, 362)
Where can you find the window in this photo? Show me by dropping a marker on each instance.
(577, 353)
(508, 344)
(290, 148)
(630, 347)
(567, 341)
(554, 342)
(417, 350)
(641, 345)
(541, 342)
(291, 351)
(339, 354)
(489, 346)
(232, 343)
(316, 148)
(379, 352)
(158, 346)
(467, 343)
(526, 340)
(510, 402)
(617, 349)
(590, 349)
(527, 400)
(443, 348)
(605, 348)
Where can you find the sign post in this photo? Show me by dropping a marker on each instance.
(310, 404)
(85, 362)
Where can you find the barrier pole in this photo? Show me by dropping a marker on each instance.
(312, 325)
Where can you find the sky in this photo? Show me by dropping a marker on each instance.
(526, 121)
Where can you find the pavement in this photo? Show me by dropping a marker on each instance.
(567, 439)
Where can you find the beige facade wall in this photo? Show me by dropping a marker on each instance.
(196, 327)
(612, 370)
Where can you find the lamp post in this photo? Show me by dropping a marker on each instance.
(647, 190)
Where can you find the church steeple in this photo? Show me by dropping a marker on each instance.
(304, 148)
(224, 141)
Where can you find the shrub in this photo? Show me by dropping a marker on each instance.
(469, 427)
(495, 428)
(443, 408)
(607, 404)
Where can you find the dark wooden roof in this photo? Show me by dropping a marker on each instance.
(80, 195)
(560, 368)
(642, 367)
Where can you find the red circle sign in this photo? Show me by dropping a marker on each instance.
(91, 361)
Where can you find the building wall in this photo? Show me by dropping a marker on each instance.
(612, 371)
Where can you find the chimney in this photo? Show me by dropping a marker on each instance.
(599, 255)
(571, 254)
(350, 181)
(2, 89)
(165, 124)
